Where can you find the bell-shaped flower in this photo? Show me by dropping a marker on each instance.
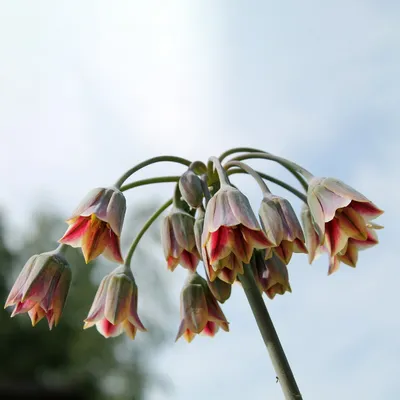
(281, 226)
(191, 189)
(114, 309)
(200, 311)
(177, 236)
(271, 275)
(348, 254)
(339, 212)
(230, 235)
(96, 224)
(42, 288)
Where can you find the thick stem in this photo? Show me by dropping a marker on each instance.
(145, 227)
(278, 182)
(246, 168)
(294, 168)
(150, 161)
(270, 337)
(223, 177)
(149, 181)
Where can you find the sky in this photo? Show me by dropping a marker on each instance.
(88, 89)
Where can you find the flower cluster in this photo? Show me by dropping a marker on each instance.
(211, 221)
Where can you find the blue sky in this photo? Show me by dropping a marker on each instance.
(87, 89)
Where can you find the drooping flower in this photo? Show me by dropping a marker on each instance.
(230, 235)
(339, 212)
(42, 288)
(271, 275)
(96, 224)
(177, 236)
(114, 309)
(281, 226)
(200, 311)
(349, 252)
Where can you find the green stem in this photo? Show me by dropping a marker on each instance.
(223, 177)
(149, 181)
(281, 365)
(239, 150)
(145, 227)
(206, 191)
(62, 248)
(278, 182)
(150, 161)
(294, 168)
(246, 168)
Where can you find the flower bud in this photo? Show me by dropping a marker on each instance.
(191, 189)
(114, 309)
(200, 311)
(42, 288)
(96, 224)
(177, 236)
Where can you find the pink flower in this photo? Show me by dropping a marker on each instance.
(41, 288)
(231, 233)
(281, 226)
(339, 212)
(271, 275)
(200, 311)
(114, 309)
(178, 240)
(97, 223)
(348, 253)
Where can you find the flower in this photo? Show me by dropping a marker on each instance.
(271, 275)
(339, 212)
(42, 288)
(231, 233)
(96, 224)
(177, 236)
(281, 227)
(348, 254)
(114, 308)
(191, 189)
(200, 311)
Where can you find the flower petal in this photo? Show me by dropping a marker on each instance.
(74, 234)
(343, 190)
(352, 224)
(241, 208)
(112, 250)
(95, 239)
(219, 244)
(107, 329)
(336, 237)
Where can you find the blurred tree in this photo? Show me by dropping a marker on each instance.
(68, 362)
